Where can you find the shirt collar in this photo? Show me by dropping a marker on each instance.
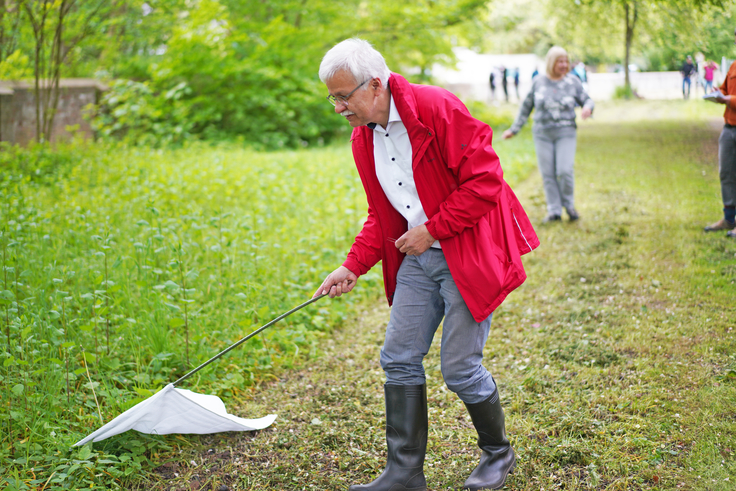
(393, 115)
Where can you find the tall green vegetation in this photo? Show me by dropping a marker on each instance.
(132, 266)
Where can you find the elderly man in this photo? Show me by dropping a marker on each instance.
(449, 232)
(727, 155)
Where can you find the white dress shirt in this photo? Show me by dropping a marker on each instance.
(392, 153)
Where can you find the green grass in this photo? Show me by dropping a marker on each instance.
(615, 359)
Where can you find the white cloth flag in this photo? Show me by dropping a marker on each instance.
(173, 410)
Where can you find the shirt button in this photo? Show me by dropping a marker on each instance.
(393, 159)
(386, 134)
(399, 184)
(408, 206)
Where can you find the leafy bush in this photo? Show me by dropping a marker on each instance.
(624, 92)
(215, 82)
(37, 161)
(498, 119)
(131, 112)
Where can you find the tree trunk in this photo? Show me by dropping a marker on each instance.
(52, 102)
(631, 14)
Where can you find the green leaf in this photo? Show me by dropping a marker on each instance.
(176, 322)
(18, 389)
(171, 285)
(85, 452)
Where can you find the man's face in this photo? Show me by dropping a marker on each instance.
(361, 106)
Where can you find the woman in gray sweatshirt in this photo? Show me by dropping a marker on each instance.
(555, 96)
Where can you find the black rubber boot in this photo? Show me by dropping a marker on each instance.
(498, 459)
(406, 439)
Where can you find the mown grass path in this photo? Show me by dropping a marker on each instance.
(615, 360)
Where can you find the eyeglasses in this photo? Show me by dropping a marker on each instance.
(343, 99)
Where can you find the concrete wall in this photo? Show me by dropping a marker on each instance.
(470, 79)
(649, 85)
(18, 110)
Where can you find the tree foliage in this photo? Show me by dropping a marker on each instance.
(246, 69)
(595, 30)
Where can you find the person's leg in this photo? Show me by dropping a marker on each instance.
(727, 166)
(463, 339)
(415, 315)
(545, 148)
(461, 354)
(565, 146)
(727, 173)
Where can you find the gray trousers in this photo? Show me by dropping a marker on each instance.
(556, 155)
(425, 294)
(727, 164)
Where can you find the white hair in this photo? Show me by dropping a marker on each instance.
(553, 54)
(359, 58)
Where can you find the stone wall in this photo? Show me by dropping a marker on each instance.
(18, 109)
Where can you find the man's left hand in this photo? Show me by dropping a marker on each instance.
(415, 241)
(723, 99)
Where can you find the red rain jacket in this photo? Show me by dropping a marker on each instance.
(481, 226)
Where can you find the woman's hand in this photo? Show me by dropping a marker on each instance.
(586, 113)
(507, 134)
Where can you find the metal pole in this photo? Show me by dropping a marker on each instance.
(238, 343)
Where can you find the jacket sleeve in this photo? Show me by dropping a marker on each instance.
(524, 111)
(582, 97)
(465, 146)
(366, 249)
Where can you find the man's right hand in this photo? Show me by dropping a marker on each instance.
(340, 281)
(508, 134)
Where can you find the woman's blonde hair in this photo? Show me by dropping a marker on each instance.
(552, 55)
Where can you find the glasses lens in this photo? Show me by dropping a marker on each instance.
(337, 100)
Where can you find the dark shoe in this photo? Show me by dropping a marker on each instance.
(721, 224)
(406, 439)
(552, 218)
(573, 214)
(498, 459)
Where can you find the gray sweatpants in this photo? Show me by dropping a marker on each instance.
(556, 156)
(727, 164)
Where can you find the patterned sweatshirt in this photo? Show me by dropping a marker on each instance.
(555, 102)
